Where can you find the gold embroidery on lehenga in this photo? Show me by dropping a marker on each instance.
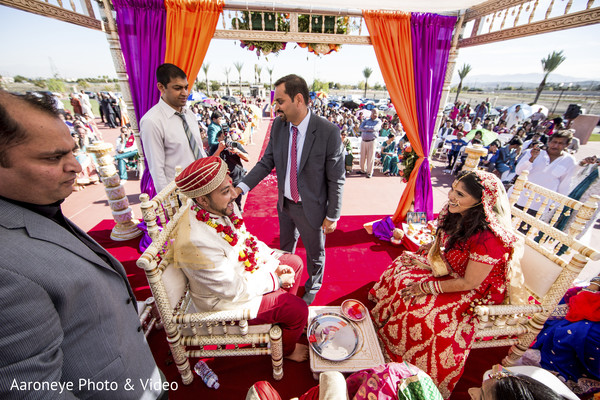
(415, 332)
(447, 358)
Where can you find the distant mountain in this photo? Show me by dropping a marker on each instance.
(514, 79)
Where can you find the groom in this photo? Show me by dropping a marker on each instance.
(306, 151)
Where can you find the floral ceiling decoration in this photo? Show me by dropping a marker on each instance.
(270, 21)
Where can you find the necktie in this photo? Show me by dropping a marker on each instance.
(188, 133)
(294, 166)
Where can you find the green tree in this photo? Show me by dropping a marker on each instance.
(257, 72)
(367, 73)
(226, 71)
(214, 86)
(549, 64)
(201, 86)
(205, 67)
(82, 83)
(270, 69)
(20, 78)
(462, 73)
(56, 85)
(39, 82)
(239, 65)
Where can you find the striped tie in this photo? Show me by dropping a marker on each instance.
(188, 133)
(294, 166)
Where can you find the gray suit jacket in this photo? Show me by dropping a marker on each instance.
(321, 173)
(65, 315)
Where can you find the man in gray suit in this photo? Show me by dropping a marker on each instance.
(68, 321)
(306, 151)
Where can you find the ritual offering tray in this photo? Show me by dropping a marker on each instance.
(419, 234)
(354, 310)
(333, 337)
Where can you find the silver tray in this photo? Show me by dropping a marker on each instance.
(333, 337)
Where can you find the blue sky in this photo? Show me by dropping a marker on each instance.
(31, 44)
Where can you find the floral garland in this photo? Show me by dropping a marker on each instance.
(247, 255)
(407, 159)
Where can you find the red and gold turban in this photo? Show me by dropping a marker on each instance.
(201, 177)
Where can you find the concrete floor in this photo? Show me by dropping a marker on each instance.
(376, 196)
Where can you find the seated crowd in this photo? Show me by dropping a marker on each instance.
(423, 302)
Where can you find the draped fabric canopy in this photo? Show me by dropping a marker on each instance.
(153, 32)
(412, 52)
(190, 28)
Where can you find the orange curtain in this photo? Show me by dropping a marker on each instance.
(191, 24)
(390, 33)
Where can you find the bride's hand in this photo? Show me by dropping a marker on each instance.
(411, 291)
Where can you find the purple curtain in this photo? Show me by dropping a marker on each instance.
(431, 40)
(141, 25)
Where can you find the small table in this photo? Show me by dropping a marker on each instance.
(369, 354)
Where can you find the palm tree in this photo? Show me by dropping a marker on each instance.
(205, 69)
(367, 73)
(549, 64)
(270, 69)
(238, 65)
(462, 72)
(227, 70)
(258, 71)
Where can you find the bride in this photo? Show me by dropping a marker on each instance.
(425, 300)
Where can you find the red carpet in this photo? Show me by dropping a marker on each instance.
(354, 261)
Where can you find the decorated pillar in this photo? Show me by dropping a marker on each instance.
(126, 227)
(473, 155)
(449, 70)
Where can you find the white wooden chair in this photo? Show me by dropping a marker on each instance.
(190, 333)
(548, 275)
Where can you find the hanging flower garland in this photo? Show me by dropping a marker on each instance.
(256, 19)
(248, 254)
(265, 21)
(314, 24)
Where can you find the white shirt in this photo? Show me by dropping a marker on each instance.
(444, 131)
(467, 126)
(166, 145)
(555, 176)
(302, 127)
(514, 117)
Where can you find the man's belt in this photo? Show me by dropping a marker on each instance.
(368, 140)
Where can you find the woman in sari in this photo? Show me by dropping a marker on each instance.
(425, 300)
(389, 157)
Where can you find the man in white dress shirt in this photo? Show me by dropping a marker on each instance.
(552, 168)
(169, 131)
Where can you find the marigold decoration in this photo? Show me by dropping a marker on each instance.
(408, 160)
(314, 23)
(247, 255)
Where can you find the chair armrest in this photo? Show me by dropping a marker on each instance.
(484, 312)
(242, 314)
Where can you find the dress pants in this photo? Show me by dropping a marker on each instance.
(367, 156)
(293, 224)
(283, 307)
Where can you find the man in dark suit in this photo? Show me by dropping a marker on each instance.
(69, 327)
(310, 195)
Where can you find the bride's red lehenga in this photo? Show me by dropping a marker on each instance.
(435, 332)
